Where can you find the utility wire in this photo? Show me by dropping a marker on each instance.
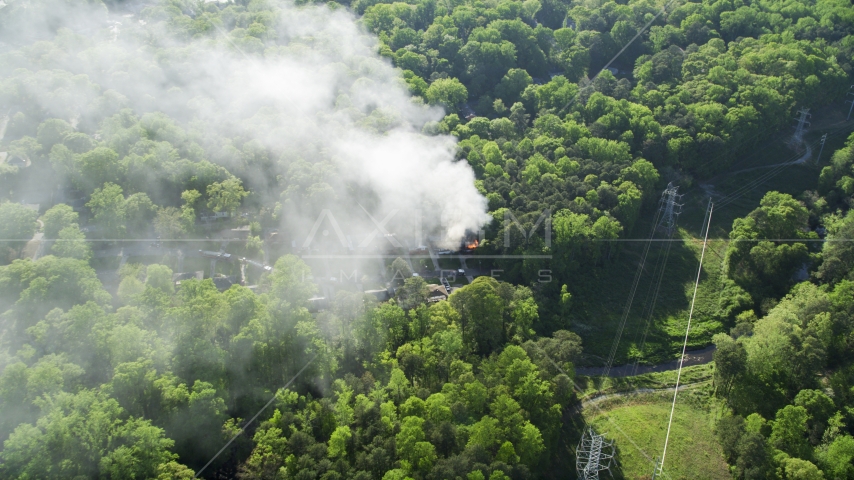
(597, 407)
(245, 425)
(741, 160)
(744, 189)
(628, 306)
(640, 32)
(651, 307)
(767, 176)
(687, 330)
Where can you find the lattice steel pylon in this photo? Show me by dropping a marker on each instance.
(670, 210)
(593, 455)
(798, 138)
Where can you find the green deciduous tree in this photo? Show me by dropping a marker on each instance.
(789, 431)
(17, 224)
(140, 211)
(97, 167)
(52, 131)
(836, 459)
(512, 85)
(58, 217)
(412, 293)
(108, 206)
(338, 442)
(84, 434)
(481, 312)
(71, 243)
(226, 196)
(730, 362)
(838, 253)
(170, 223)
(446, 91)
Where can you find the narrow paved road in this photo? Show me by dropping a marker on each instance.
(803, 159)
(709, 188)
(469, 276)
(593, 401)
(144, 248)
(434, 257)
(695, 357)
(37, 244)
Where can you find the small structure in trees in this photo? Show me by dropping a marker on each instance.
(436, 293)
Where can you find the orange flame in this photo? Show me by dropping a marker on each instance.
(472, 245)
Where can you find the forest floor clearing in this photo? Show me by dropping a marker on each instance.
(638, 424)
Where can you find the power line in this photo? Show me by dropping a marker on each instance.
(245, 425)
(852, 104)
(708, 222)
(640, 32)
(671, 209)
(818, 158)
(628, 306)
(763, 178)
(670, 214)
(594, 454)
(803, 113)
(755, 136)
(842, 125)
(725, 201)
(599, 409)
(651, 308)
(741, 191)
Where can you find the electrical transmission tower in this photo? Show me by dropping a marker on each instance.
(798, 138)
(823, 139)
(669, 209)
(593, 455)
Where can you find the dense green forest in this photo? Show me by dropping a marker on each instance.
(786, 374)
(126, 121)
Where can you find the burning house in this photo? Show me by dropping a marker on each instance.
(469, 242)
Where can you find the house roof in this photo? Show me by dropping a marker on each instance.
(436, 292)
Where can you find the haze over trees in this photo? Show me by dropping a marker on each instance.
(487, 115)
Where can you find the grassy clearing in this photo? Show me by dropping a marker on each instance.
(423, 264)
(449, 262)
(638, 426)
(601, 296)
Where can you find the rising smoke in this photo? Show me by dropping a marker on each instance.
(334, 120)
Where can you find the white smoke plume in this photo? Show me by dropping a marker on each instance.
(321, 102)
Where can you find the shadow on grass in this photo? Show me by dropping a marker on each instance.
(601, 297)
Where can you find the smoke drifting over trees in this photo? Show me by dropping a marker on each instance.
(152, 152)
(310, 118)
